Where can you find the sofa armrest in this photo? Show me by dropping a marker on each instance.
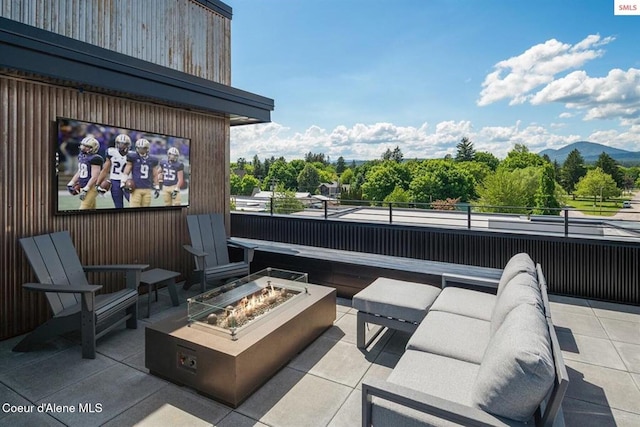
(485, 282)
(248, 248)
(423, 402)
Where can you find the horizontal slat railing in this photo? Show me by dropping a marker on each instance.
(581, 267)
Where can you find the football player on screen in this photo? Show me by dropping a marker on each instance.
(84, 181)
(143, 174)
(172, 177)
(114, 168)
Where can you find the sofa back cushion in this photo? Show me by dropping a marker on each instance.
(519, 263)
(522, 289)
(517, 369)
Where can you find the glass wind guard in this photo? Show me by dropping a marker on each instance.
(242, 304)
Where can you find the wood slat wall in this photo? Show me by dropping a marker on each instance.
(27, 142)
(179, 34)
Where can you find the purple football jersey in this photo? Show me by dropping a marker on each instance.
(85, 161)
(142, 171)
(170, 172)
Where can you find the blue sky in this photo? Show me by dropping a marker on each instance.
(352, 78)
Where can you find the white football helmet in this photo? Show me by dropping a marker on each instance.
(89, 145)
(123, 143)
(173, 154)
(142, 147)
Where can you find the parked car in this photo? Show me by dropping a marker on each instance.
(626, 204)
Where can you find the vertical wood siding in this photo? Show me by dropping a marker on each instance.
(576, 267)
(27, 141)
(179, 34)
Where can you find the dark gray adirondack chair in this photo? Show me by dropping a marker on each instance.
(72, 299)
(210, 247)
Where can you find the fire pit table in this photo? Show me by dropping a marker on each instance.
(234, 338)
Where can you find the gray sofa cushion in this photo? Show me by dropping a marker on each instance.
(519, 263)
(522, 289)
(452, 335)
(517, 369)
(396, 298)
(465, 302)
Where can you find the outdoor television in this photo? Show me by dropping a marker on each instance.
(101, 167)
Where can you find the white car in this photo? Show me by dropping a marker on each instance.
(626, 204)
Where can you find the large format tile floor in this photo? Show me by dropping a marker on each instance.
(320, 387)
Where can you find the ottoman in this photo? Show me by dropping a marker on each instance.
(395, 304)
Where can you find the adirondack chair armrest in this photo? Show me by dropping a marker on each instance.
(247, 247)
(132, 272)
(469, 280)
(423, 402)
(65, 289)
(195, 252)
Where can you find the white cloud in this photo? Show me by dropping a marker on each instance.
(515, 78)
(366, 142)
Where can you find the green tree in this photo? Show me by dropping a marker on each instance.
(572, 170)
(597, 184)
(487, 158)
(347, 176)
(520, 157)
(477, 170)
(545, 198)
(398, 195)
(509, 191)
(382, 179)
(284, 201)
(280, 172)
(465, 151)
(308, 179)
(441, 179)
(340, 165)
(609, 166)
(395, 155)
(247, 185)
(258, 169)
(235, 180)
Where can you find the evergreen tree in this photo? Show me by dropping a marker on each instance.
(465, 152)
(340, 165)
(395, 155)
(572, 170)
(258, 170)
(546, 202)
(308, 179)
(609, 166)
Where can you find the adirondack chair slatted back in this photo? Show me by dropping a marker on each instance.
(208, 234)
(54, 260)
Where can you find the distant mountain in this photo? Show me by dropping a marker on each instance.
(590, 152)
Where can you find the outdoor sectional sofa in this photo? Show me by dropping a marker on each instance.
(475, 358)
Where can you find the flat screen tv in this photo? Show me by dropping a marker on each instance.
(108, 168)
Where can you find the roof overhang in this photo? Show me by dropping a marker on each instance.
(47, 56)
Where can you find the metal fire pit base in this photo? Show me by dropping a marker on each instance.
(230, 371)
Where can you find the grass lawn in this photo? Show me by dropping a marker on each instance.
(586, 206)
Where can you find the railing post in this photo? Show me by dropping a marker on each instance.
(469, 217)
(326, 204)
(272, 199)
(390, 213)
(566, 222)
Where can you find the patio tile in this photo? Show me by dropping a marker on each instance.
(350, 413)
(10, 360)
(397, 341)
(294, 399)
(8, 396)
(597, 351)
(579, 324)
(636, 378)
(630, 354)
(609, 310)
(45, 377)
(116, 389)
(122, 343)
(343, 329)
(603, 386)
(170, 406)
(559, 303)
(585, 414)
(136, 361)
(30, 420)
(337, 361)
(622, 330)
(381, 367)
(235, 419)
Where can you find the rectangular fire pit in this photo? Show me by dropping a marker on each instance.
(233, 339)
